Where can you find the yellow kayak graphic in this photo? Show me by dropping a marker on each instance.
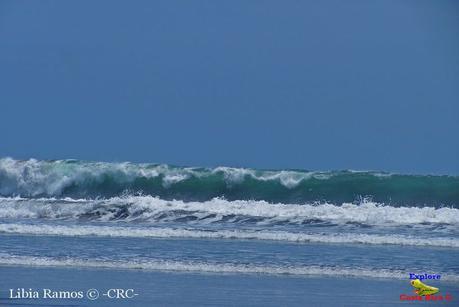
(423, 289)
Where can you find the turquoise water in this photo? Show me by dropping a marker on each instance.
(114, 216)
(79, 179)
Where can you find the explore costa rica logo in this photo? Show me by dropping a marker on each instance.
(423, 291)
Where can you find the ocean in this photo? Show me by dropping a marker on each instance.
(264, 225)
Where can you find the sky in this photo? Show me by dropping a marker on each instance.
(317, 85)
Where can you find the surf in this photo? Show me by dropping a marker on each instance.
(236, 234)
(149, 209)
(82, 179)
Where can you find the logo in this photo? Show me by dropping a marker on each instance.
(424, 292)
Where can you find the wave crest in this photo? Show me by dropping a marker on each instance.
(71, 178)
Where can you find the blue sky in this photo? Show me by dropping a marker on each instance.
(268, 84)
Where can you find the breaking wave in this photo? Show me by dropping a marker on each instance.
(218, 211)
(78, 179)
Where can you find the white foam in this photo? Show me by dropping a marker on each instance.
(215, 210)
(33, 177)
(155, 232)
(203, 267)
(289, 179)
